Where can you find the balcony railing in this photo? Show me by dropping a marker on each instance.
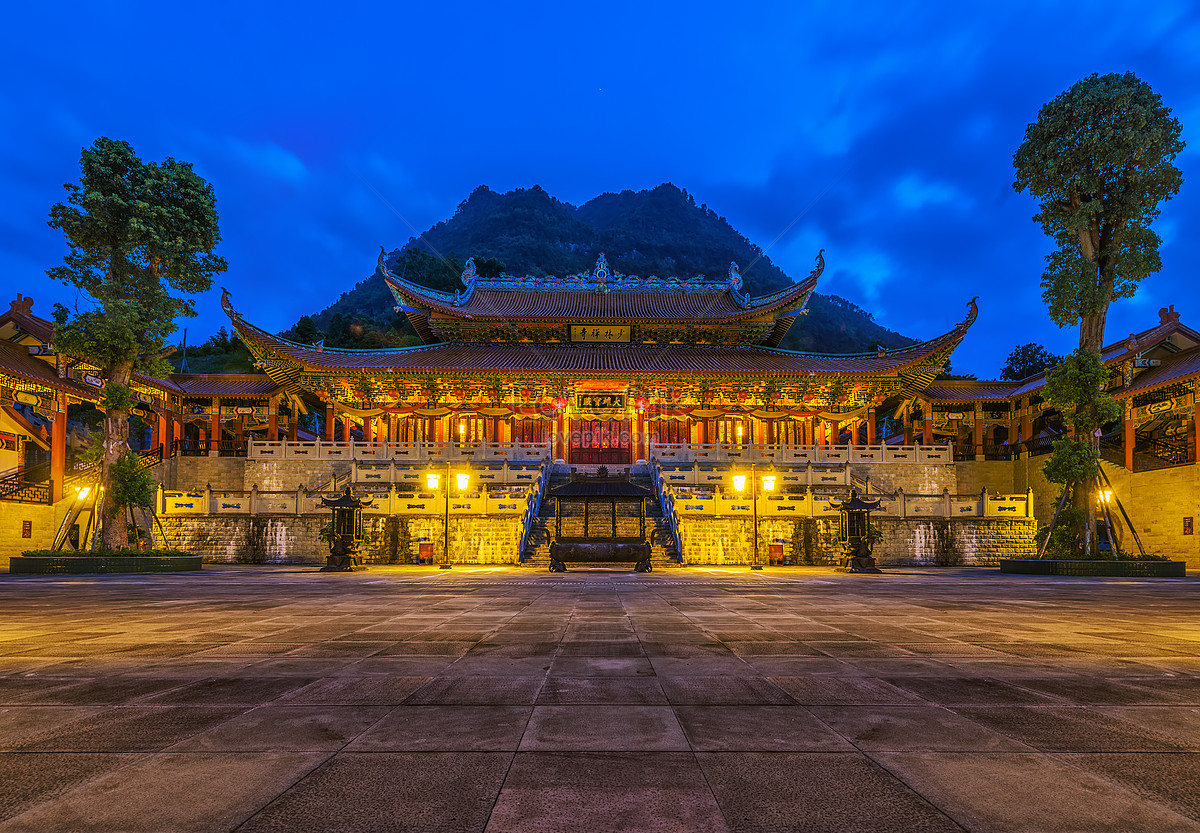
(398, 452)
(799, 454)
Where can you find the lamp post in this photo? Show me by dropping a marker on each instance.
(432, 481)
(739, 486)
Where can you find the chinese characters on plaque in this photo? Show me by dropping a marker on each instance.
(600, 401)
(600, 333)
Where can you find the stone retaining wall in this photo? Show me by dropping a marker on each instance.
(813, 541)
(285, 539)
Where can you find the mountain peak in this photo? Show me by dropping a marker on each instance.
(659, 231)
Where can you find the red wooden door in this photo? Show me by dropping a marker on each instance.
(601, 442)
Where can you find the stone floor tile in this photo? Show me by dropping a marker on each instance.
(797, 791)
(19, 722)
(478, 691)
(726, 691)
(176, 792)
(1096, 691)
(27, 779)
(1068, 729)
(968, 691)
(1167, 778)
(757, 729)
(602, 667)
(490, 665)
(603, 729)
(566, 691)
(286, 729)
(129, 729)
(376, 690)
(426, 792)
(446, 729)
(662, 792)
(845, 691)
(229, 691)
(1020, 793)
(1180, 723)
(924, 728)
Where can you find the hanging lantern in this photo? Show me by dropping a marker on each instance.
(560, 404)
(640, 403)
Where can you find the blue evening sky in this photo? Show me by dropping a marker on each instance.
(880, 131)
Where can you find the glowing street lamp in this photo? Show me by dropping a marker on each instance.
(433, 480)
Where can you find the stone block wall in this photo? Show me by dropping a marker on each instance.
(44, 522)
(813, 541)
(961, 542)
(1158, 502)
(913, 478)
(287, 539)
(997, 476)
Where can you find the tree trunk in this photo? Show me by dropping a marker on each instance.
(1091, 338)
(116, 444)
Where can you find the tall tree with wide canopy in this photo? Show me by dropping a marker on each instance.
(139, 232)
(1099, 160)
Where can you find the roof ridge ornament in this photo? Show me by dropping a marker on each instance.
(819, 269)
(735, 277)
(469, 274)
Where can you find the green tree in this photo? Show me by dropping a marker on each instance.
(1026, 360)
(305, 331)
(141, 236)
(1099, 160)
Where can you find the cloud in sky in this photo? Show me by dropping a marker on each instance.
(881, 132)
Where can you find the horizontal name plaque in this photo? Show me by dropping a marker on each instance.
(600, 401)
(599, 333)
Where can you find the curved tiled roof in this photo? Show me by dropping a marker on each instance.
(967, 390)
(16, 361)
(1172, 369)
(626, 298)
(594, 359)
(224, 384)
(702, 304)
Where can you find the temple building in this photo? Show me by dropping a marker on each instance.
(679, 380)
(602, 367)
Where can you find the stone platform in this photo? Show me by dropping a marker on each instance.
(282, 699)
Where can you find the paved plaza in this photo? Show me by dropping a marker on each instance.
(283, 699)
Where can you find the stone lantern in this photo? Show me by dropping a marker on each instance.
(347, 532)
(854, 533)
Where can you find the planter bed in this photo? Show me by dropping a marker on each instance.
(51, 564)
(1121, 569)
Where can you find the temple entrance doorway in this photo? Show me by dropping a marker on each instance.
(601, 442)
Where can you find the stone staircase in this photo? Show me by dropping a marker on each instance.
(537, 551)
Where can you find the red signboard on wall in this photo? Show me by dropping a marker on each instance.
(26, 529)
(1187, 525)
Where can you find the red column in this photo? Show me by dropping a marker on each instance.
(273, 419)
(293, 422)
(1026, 420)
(927, 427)
(978, 431)
(641, 436)
(164, 429)
(1196, 427)
(870, 426)
(58, 447)
(560, 438)
(1127, 430)
(329, 420)
(215, 424)
(345, 428)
